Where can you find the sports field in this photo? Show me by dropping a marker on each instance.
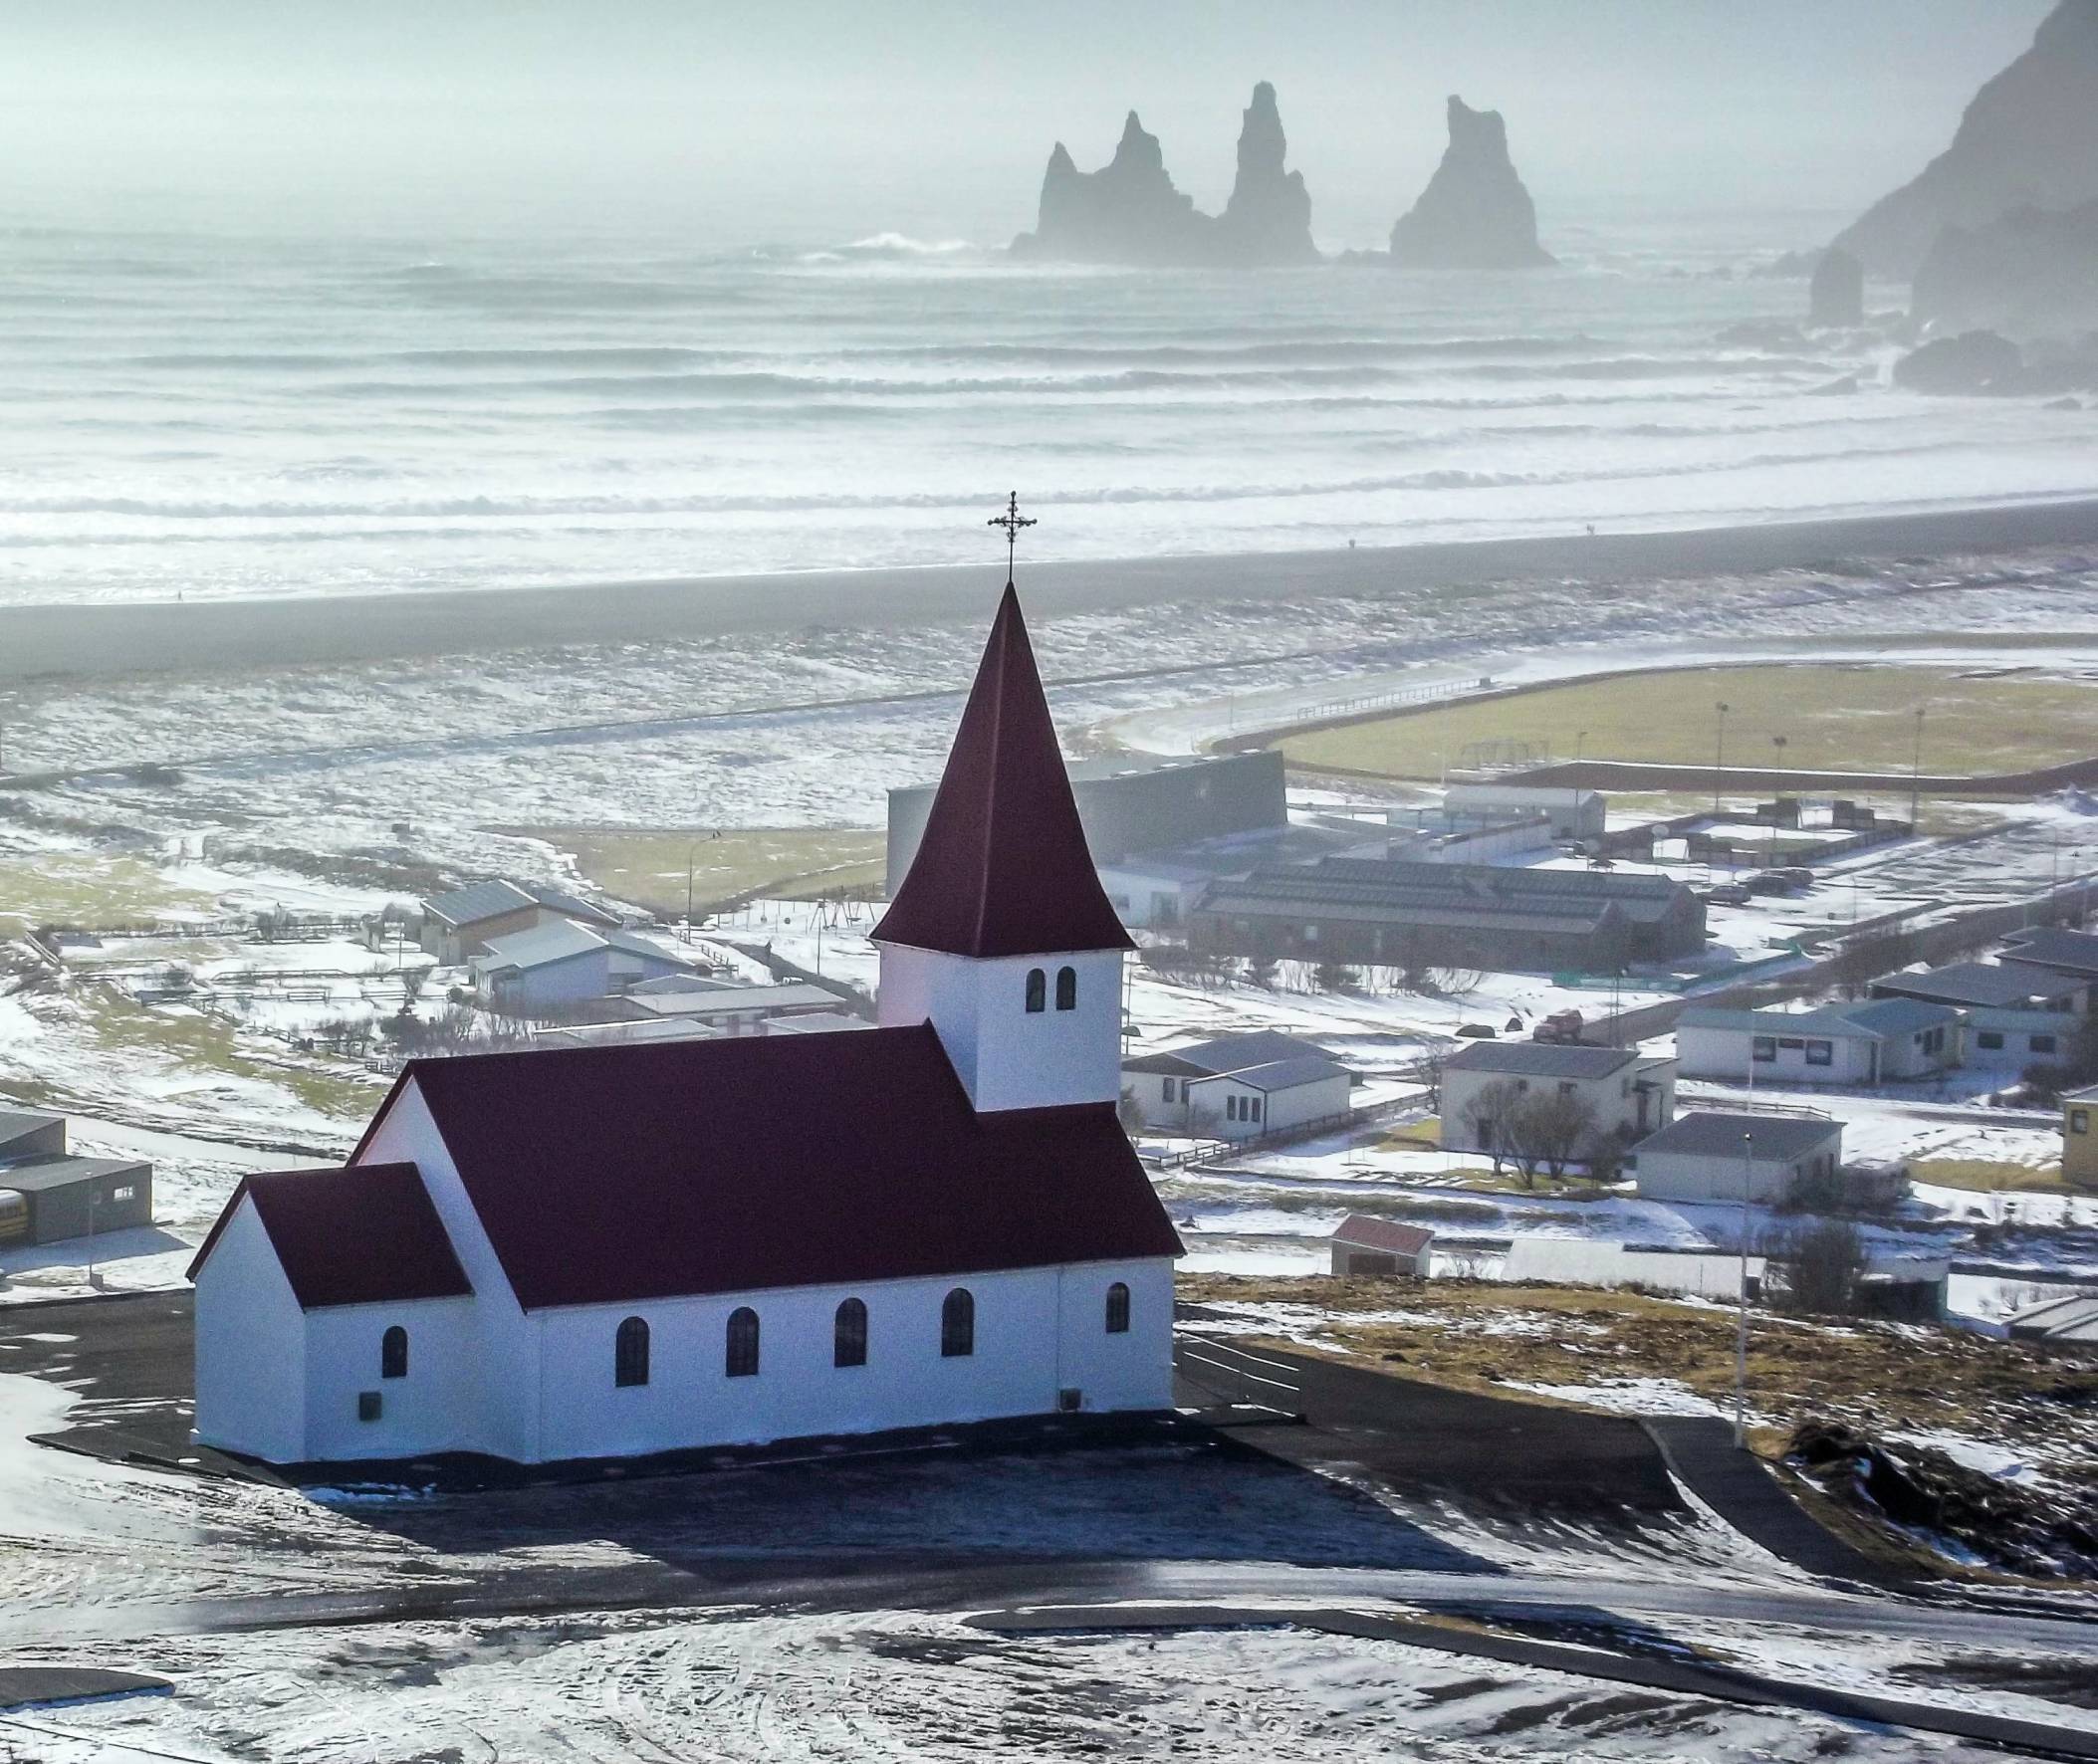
(1843, 716)
(649, 868)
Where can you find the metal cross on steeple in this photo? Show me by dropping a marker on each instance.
(1011, 521)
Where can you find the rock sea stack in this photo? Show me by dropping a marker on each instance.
(1129, 212)
(1474, 213)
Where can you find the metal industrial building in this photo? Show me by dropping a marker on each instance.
(48, 1195)
(1136, 804)
(1366, 911)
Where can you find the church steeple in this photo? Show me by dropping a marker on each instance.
(1001, 935)
(1003, 868)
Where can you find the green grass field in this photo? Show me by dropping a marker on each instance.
(649, 868)
(1835, 716)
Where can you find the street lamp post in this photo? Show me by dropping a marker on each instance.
(1916, 776)
(1780, 743)
(1718, 762)
(1740, 1311)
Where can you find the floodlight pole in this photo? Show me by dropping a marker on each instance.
(1916, 777)
(1740, 1310)
(1719, 760)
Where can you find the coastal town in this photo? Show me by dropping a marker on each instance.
(1228, 984)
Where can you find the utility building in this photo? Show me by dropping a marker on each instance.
(1368, 911)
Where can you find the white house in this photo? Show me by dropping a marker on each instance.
(1715, 1157)
(2017, 1015)
(1237, 1086)
(602, 1251)
(1631, 1093)
(1874, 1041)
(560, 962)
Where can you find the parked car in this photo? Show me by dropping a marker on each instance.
(1728, 894)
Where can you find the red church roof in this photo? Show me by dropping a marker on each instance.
(621, 1173)
(1003, 868)
(360, 1237)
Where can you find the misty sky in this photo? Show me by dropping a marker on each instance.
(825, 120)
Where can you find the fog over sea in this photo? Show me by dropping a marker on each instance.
(214, 414)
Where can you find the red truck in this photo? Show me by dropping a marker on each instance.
(1560, 1025)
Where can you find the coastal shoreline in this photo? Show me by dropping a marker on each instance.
(116, 638)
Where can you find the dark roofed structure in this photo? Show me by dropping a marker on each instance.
(1764, 1138)
(1003, 867)
(1539, 1059)
(1984, 985)
(761, 1162)
(1228, 1053)
(480, 901)
(1372, 910)
(2073, 952)
(367, 1235)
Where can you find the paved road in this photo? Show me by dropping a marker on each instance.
(83, 641)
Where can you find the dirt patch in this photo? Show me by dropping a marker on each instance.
(1885, 1378)
(2015, 1527)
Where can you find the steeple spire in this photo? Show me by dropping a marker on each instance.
(1003, 868)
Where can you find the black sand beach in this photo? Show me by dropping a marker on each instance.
(145, 637)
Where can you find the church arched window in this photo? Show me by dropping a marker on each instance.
(957, 1325)
(1037, 988)
(630, 1352)
(742, 1342)
(849, 1339)
(1118, 1310)
(393, 1353)
(1066, 988)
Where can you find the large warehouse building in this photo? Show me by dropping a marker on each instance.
(1368, 911)
(1127, 806)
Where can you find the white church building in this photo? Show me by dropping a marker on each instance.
(611, 1251)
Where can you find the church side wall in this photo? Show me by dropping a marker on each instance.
(417, 1414)
(1130, 1370)
(499, 1410)
(250, 1347)
(1017, 1366)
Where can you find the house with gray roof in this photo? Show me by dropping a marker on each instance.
(2055, 951)
(2013, 1015)
(559, 965)
(459, 925)
(1712, 1156)
(1629, 1093)
(49, 1194)
(1237, 1086)
(1872, 1041)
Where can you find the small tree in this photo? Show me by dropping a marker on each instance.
(1604, 1155)
(1488, 1116)
(1819, 1265)
(1430, 1066)
(1555, 1125)
(1333, 976)
(1131, 1112)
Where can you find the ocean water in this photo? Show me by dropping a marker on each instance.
(215, 414)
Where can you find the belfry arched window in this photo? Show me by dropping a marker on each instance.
(957, 1325)
(630, 1352)
(849, 1337)
(393, 1353)
(742, 1342)
(1066, 988)
(1118, 1310)
(1038, 990)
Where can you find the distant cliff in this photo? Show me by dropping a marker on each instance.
(2029, 139)
(1128, 212)
(2030, 273)
(1474, 213)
